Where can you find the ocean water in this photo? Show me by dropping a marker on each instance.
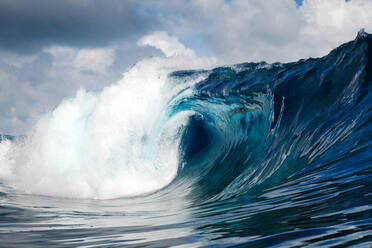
(250, 155)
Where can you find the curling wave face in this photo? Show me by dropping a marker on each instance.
(235, 145)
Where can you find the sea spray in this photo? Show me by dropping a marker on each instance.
(118, 142)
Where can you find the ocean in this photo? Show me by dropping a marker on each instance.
(249, 155)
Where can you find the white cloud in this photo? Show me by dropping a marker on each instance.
(240, 30)
(329, 23)
(97, 60)
(231, 31)
(169, 45)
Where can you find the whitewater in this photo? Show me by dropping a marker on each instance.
(114, 143)
(181, 152)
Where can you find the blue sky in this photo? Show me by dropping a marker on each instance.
(299, 2)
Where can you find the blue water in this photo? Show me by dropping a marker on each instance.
(274, 155)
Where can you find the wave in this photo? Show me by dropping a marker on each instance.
(219, 133)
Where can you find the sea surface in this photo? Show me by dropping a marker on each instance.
(249, 155)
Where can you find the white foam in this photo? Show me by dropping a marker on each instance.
(5, 159)
(115, 143)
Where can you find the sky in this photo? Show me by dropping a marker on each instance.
(51, 49)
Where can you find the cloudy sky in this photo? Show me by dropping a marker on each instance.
(50, 49)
